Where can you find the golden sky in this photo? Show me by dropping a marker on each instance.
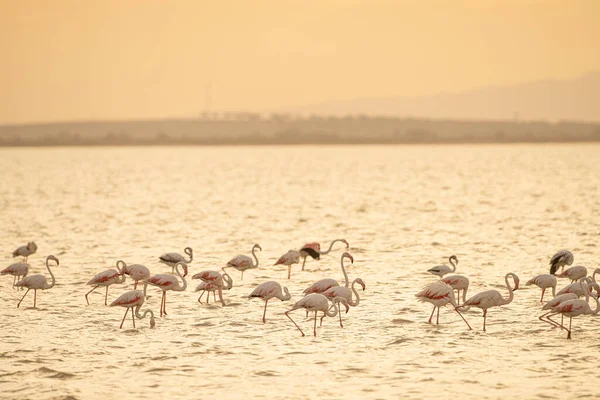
(120, 59)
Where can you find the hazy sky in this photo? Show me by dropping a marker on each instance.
(98, 59)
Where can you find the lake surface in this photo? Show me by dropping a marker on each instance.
(403, 209)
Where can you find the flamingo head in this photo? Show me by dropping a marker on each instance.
(31, 246)
(347, 244)
(348, 256)
(516, 279)
(51, 257)
(257, 246)
(185, 270)
(361, 283)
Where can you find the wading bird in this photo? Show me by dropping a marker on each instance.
(575, 307)
(133, 299)
(172, 259)
(214, 278)
(106, 278)
(492, 298)
(439, 294)
(560, 259)
(137, 272)
(458, 283)
(25, 251)
(269, 290)
(317, 302)
(574, 273)
(441, 270)
(242, 262)
(37, 282)
(544, 282)
(169, 282)
(313, 249)
(17, 270)
(289, 258)
(324, 284)
(342, 291)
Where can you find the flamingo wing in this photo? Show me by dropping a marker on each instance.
(171, 258)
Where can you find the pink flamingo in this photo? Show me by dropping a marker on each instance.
(133, 299)
(560, 259)
(574, 273)
(242, 262)
(575, 307)
(37, 282)
(289, 258)
(25, 251)
(577, 288)
(458, 283)
(206, 288)
(324, 284)
(214, 278)
(342, 291)
(313, 249)
(106, 278)
(269, 290)
(172, 259)
(544, 282)
(17, 270)
(137, 272)
(492, 298)
(441, 270)
(317, 302)
(439, 294)
(169, 282)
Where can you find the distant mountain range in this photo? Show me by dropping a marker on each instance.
(549, 100)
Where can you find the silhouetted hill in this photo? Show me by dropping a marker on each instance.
(551, 100)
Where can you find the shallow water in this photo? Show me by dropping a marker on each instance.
(403, 209)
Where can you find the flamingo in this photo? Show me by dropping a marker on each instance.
(289, 258)
(37, 282)
(342, 291)
(560, 259)
(596, 271)
(137, 272)
(564, 297)
(313, 249)
(25, 251)
(575, 307)
(216, 279)
(206, 288)
(441, 270)
(439, 294)
(576, 287)
(574, 273)
(492, 298)
(242, 262)
(169, 282)
(317, 302)
(458, 283)
(269, 290)
(544, 282)
(171, 259)
(17, 270)
(107, 278)
(324, 284)
(133, 299)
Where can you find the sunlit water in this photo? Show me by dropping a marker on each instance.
(403, 209)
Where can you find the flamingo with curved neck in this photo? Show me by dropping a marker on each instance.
(133, 299)
(107, 278)
(317, 302)
(243, 262)
(314, 250)
(342, 291)
(169, 282)
(37, 282)
(269, 290)
(573, 308)
(441, 270)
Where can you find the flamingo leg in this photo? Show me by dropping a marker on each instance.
(542, 299)
(484, 318)
(463, 318)
(303, 262)
(437, 321)
(554, 322)
(458, 297)
(200, 298)
(106, 297)
(431, 316)
(86, 295)
(323, 317)
(289, 271)
(242, 278)
(570, 320)
(162, 300)
(165, 303)
(135, 285)
(133, 317)
(34, 297)
(221, 295)
(145, 286)
(214, 297)
(19, 303)
(315, 328)
(123, 320)
(287, 315)
(265, 313)
(340, 314)
(548, 321)
(15, 280)
(208, 297)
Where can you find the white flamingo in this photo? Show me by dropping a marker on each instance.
(564, 297)
(25, 251)
(458, 283)
(575, 307)
(133, 299)
(560, 259)
(574, 273)
(317, 302)
(37, 282)
(172, 259)
(342, 291)
(576, 287)
(17, 270)
(544, 282)
(439, 294)
(324, 284)
(107, 278)
(313, 249)
(169, 282)
(289, 258)
(492, 298)
(242, 262)
(441, 270)
(214, 278)
(137, 272)
(269, 290)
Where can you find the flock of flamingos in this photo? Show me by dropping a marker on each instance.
(326, 295)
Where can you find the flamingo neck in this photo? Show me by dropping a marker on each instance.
(597, 307)
(451, 260)
(331, 246)
(333, 313)
(347, 283)
(255, 258)
(51, 274)
(189, 254)
(286, 296)
(355, 303)
(184, 285)
(510, 290)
